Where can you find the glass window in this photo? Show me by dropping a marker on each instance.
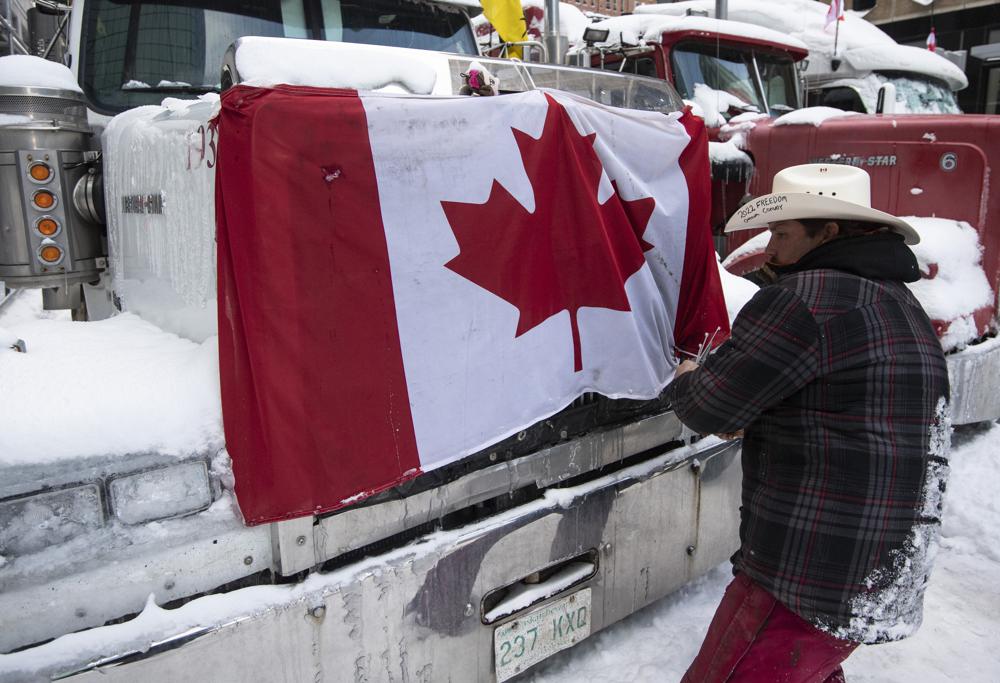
(992, 91)
(780, 84)
(424, 26)
(135, 52)
(920, 94)
(722, 69)
(841, 97)
(643, 66)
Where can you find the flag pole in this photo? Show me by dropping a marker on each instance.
(836, 28)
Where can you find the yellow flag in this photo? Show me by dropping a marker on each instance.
(507, 18)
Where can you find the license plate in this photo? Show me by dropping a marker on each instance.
(520, 644)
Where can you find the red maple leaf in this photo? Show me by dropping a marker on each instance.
(571, 251)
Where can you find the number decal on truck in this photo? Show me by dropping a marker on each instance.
(202, 147)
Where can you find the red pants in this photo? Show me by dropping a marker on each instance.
(753, 638)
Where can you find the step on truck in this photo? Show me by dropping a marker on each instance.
(374, 513)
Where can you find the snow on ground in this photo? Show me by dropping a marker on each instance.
(172, 406)
(957, 642)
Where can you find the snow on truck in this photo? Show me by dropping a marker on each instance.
(748, 77)
(444, 455)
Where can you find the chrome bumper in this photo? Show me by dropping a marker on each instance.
(975, 383)
(415, 613)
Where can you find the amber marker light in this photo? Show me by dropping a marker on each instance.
(50, 254)
(47, 226)
(40, 172)
(43, 199)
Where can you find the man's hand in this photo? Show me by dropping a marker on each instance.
(685, 367)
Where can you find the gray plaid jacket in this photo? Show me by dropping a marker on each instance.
(841, 386)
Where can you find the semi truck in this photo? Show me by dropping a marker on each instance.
(157, 565)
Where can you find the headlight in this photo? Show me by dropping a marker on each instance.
(158, 494)
(32, 523)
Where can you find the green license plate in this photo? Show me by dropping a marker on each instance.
(520, 644)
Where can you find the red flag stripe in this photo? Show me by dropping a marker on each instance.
(699, 309)
(314, 396)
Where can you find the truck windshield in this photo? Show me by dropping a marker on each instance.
(731, 71)
(920, 94)
(777, 75)
(134, 52)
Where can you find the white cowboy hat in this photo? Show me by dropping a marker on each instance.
(818, 191)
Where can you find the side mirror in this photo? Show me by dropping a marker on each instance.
(886, 102)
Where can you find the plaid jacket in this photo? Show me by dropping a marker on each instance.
(840, 384)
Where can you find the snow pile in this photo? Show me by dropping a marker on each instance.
(115, 386)
(959, 286)
(890, 57)
(714, 103)
(638, 29)
(723, 152)
(739, 126)
(754, 245)
(811, 116)
(737, 290)
(140, 85)
(523, 594)
(265, 62)
(23, 70)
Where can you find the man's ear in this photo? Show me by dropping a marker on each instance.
(830, 230)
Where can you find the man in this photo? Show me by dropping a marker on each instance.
(838, 382)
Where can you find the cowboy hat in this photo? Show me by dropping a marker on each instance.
(818, 191)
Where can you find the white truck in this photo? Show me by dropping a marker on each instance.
(138, 565)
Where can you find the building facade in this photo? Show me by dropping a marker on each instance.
(611, 8)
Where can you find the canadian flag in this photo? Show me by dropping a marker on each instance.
(406, 280)
(834, 14)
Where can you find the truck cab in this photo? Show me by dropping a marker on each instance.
(724, 67)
